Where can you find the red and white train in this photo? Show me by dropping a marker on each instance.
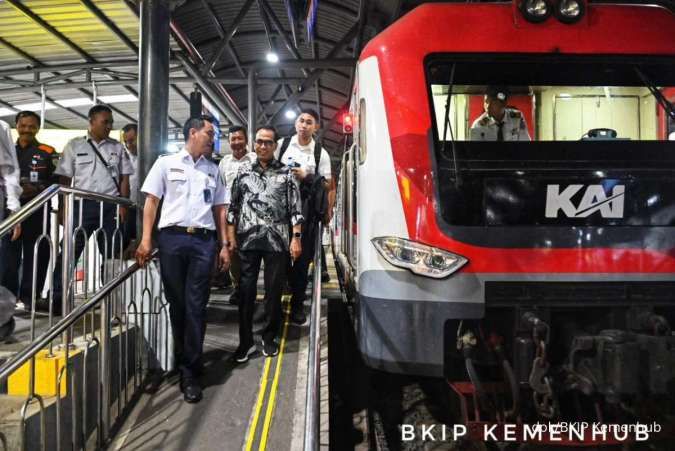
(548, 265)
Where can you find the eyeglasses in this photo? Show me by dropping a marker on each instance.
(264, 142)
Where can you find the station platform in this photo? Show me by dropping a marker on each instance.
(256, 405)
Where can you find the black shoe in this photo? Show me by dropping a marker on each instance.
(270, 348)
(234, 297)
(325, 277)
(298, 317)
(192, 392)
(242, 353)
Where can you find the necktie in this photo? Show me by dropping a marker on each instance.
(500, 131)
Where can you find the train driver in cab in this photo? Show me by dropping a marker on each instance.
(499, 122)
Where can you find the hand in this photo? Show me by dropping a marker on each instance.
(299, 173)
(124, 213)
(296, 248)
(16, 233)
(232, 245)
(29, 190)
(224, 259)
(143, 253)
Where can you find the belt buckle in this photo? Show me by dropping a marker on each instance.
(190, 230)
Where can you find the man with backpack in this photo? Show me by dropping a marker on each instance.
(310, 164)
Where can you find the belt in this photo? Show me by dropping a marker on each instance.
(190, 230)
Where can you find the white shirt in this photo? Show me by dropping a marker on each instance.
(133, 178)
(190, 190)
(87, 171)
(485, 128)
(9, 169)
(305, 156)
(229, 168)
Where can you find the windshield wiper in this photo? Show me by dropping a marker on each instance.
(447, 125)
(656, 92)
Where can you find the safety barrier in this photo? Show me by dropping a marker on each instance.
(312, 400)
(119, 313)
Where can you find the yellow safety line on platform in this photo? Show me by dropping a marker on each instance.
(263, 389)
(273, 393)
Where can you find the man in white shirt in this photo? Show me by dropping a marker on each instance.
(239, 160)
(95, 162)
(499, 122)
(129, 139)
(302, 153)
(192, 231)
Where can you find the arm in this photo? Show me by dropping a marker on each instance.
(233, 214)
(10, 171)
(295, 210)
(149, 216)
(220, 214)
(124, 192)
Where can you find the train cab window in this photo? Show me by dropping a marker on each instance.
(551, 99)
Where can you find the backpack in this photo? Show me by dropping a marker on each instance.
(317, 151)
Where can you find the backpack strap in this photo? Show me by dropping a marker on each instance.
(317, 154)
(284, 145)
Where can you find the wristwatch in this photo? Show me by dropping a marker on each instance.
(297, 234)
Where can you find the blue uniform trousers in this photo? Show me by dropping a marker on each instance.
(186, 261)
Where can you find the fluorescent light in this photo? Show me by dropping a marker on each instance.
(272, 57)
(290, 114)
(7, 112)
(122, 98)
(79, 101)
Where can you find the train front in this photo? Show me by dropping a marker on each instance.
(535, 248)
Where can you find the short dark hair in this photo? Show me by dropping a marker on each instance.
(197, 123)
(22, 114)
(311, 112)
(93, 111)
(127, 128)
(270, 128)
(238, 128)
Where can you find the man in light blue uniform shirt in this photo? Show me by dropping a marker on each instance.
(191, 228)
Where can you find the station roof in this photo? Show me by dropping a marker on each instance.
(73, 50)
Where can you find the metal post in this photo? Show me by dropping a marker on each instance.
(154, 86)
(67, 254)
(251, 106)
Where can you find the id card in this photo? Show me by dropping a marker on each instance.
(34, 176)
(207, 196)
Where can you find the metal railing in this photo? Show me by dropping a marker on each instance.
(127, 301)
(312, 400)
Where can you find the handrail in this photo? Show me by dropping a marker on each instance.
(57, 329)
(312, 402)
(38, 201)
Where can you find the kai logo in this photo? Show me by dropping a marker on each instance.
(594, 200)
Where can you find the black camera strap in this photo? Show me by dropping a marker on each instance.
(107, 166)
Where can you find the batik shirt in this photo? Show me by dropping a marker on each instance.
(265, 204)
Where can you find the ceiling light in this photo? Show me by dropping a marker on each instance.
(272, 57)
(291, 114)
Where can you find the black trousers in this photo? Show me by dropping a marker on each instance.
(20, 282)
(298, 275)
(275, 275)
(185, 262)
(90, 223)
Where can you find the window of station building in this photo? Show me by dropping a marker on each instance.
(551, 99)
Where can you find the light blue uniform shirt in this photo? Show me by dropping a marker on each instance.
(190, 190)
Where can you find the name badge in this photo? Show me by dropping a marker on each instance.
(33, 176)
(207, 196)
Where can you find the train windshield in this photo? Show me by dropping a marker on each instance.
(515, 134)
(553, 99)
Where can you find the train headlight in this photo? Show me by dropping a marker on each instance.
(535, 11)
(570, 11)
(419, 258)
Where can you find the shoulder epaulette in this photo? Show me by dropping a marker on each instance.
(46, 148)
(515, 114)
(484, 121)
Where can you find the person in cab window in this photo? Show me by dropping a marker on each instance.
(36, 167)
(499, 122)
(95, 162)
(130, 142)
(192, 233)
